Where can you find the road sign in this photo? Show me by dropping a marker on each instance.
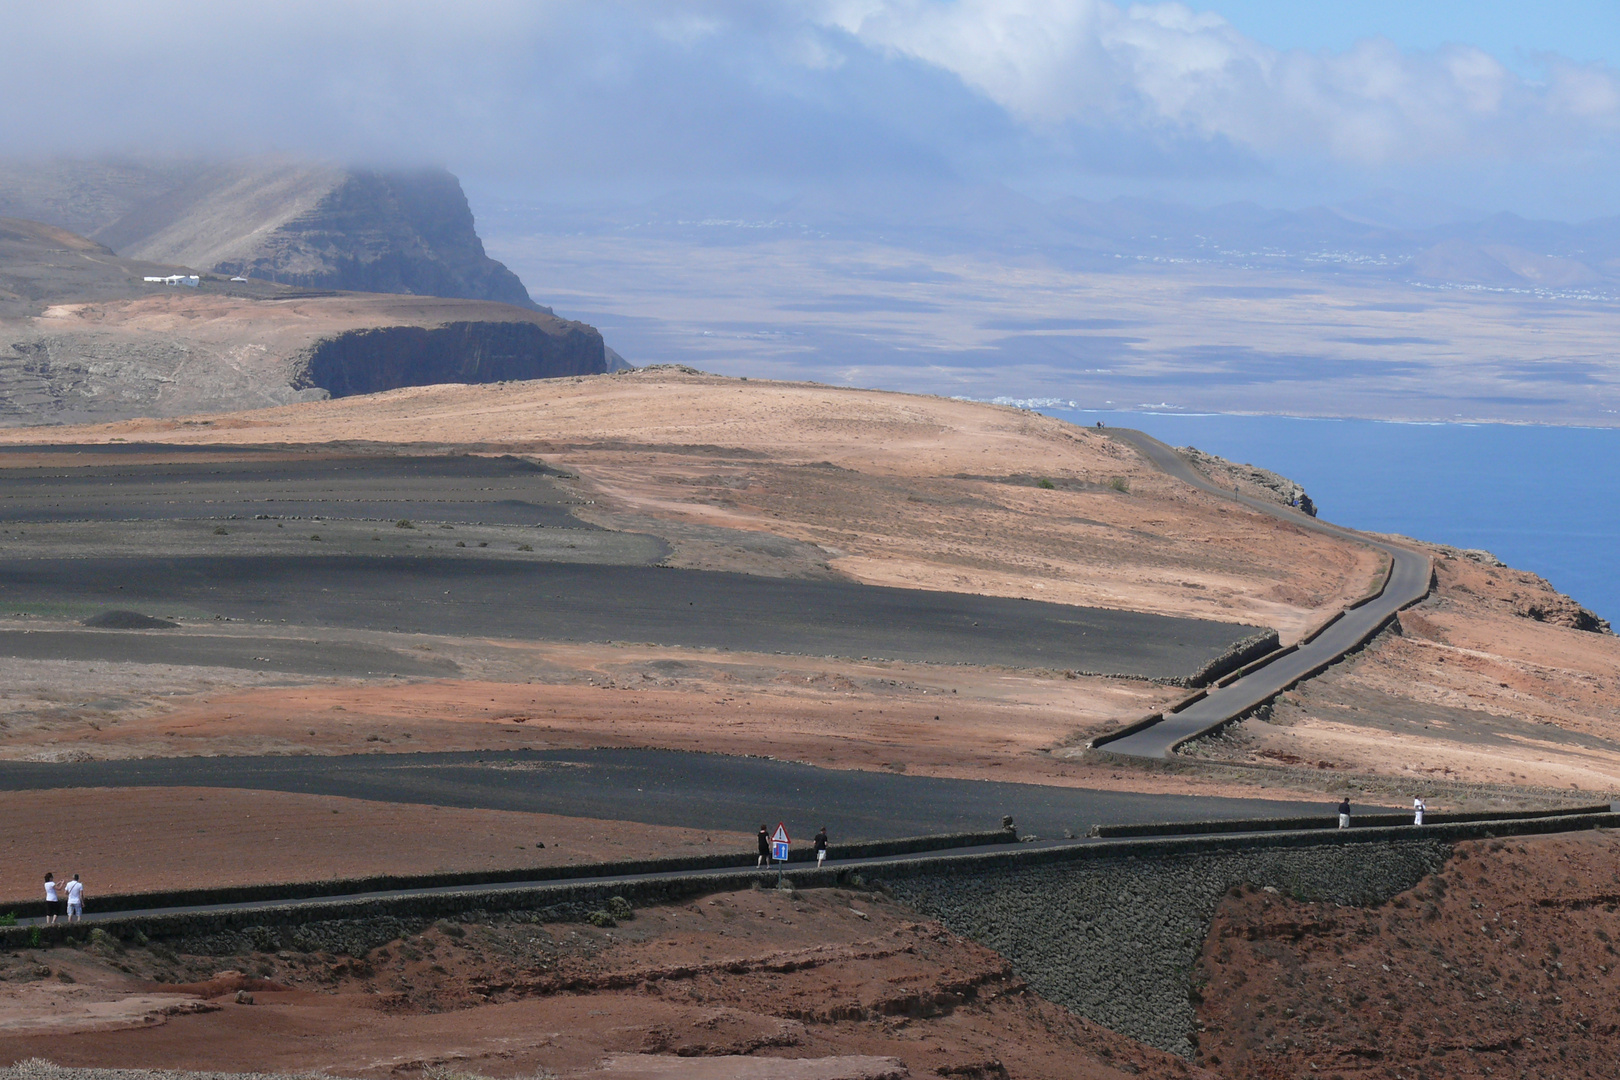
(779, 844)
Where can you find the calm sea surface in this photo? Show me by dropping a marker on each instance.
(1545, 499)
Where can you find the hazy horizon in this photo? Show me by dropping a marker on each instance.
(1486, 106)
(915, 193)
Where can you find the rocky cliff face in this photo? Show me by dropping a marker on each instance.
(309, 225)
(387, 232)
(84, 338)
(1250, 479)
(413, 299)
(387, 358)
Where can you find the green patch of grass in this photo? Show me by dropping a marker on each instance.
(1120, 484)
(404, 523)
(1043, 482)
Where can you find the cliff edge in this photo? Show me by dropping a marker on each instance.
(315, 226)
(86, 335)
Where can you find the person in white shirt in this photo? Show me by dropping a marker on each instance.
(53, 903)
(75, 891)
(1418, 806)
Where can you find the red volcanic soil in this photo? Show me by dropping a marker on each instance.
(1504, 964)
(130, 840)
(729, 979)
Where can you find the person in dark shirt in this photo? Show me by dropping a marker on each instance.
(821, 845)
(1344, 813)
(764, 846)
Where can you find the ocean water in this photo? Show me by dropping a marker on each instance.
(1545, 499)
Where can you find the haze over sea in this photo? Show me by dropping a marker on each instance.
(1540, 498)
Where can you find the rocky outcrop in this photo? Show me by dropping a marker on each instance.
(389, 232)
(1527, 595)
(1257, 481)
(387, 358)
(167, 351)
(85, 336)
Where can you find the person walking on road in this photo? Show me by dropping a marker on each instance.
(75, 891)
(53, 903)
(1418, 806)
(1344, 813)
(821, 845)
(764, 847)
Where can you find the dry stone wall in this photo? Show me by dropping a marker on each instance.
(1115, 940)
(1110, 930)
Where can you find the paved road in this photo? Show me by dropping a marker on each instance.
(1408, 583)
(735, 877)
(660, 787)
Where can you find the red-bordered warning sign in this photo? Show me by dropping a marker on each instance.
(779, 844)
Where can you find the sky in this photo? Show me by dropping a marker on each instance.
(1514, 32)
(1488, 104)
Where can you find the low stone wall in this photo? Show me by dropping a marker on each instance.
(1108, 929)
(1116, 940)
(1331, 821)
(1111, 931)
(1240, 654)
(342, 887)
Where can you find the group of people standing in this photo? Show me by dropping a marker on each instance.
(820, 842)
(1418, 807)
(54, 896)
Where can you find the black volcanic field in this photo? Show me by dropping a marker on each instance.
(660, 787)
(470, 592)
(297, 542)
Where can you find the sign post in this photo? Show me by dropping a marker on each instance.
(779, 848)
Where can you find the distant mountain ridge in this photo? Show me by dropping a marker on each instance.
(312, 225)
(1382, 237)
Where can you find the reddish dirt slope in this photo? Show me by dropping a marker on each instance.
(1502, 965)
(813, 975)
(132, 840)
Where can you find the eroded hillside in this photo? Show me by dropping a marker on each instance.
(892, 489)
(1490, 693)
(84, 335)
(310, 224)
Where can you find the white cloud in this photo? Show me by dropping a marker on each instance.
(681, 90)
(1167, 68)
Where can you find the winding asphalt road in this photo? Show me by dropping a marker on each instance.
(1408, 583)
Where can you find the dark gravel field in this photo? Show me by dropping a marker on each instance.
(562, 596)
(579, 602)
(332, 658)
(489, 490)
(660, 787)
